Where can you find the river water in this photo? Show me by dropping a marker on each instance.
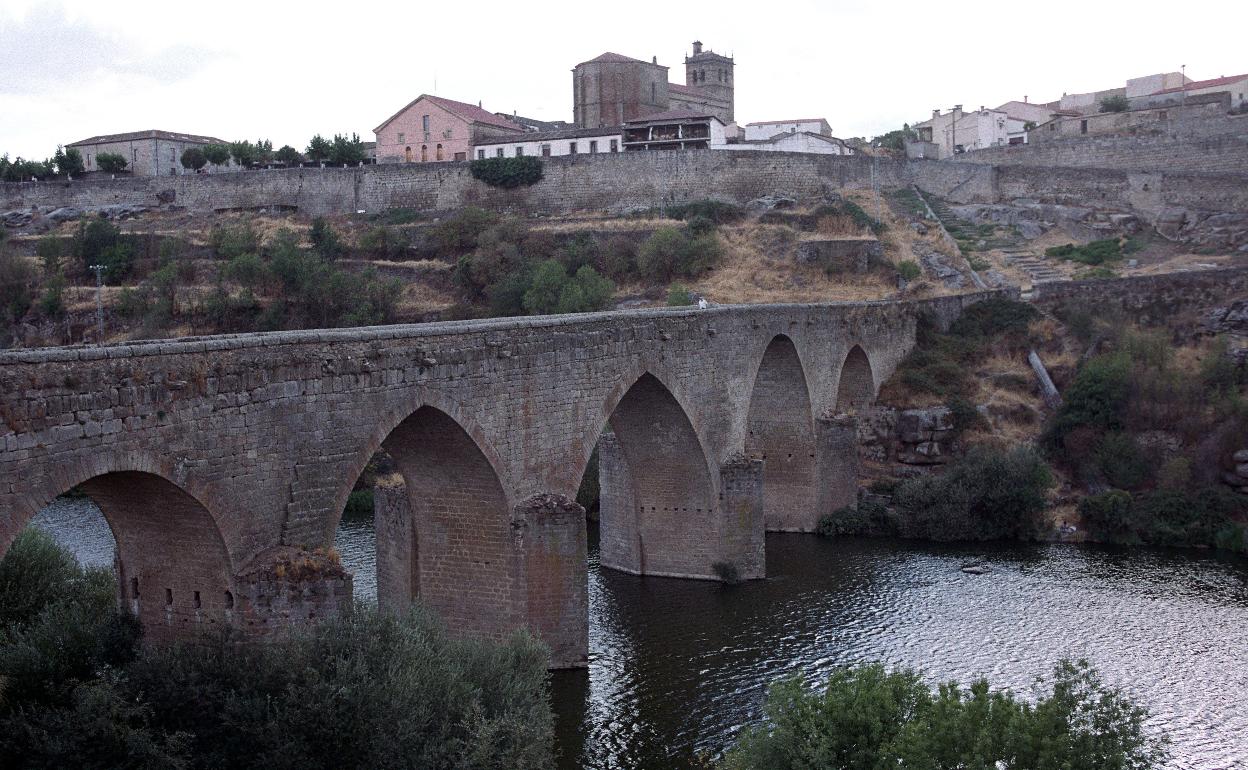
(677, 667)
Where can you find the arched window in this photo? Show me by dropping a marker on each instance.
(439, 152)
(424, 153)
(653, 95)
(407, 154)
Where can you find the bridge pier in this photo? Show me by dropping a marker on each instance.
(680, 538)
(836, 463)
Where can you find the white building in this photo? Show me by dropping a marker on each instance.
(955, 132)
(676, 130)
(568, 141)
(801, 141)
(766, 129)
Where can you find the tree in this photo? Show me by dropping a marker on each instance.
(896, 139)
(217, 154)
(193, 158)
(346, 151)
(319, 149)
(112, 162)
(244, 153)
(1115, 103)
(67, 162)
(264, 152)
(288, 155)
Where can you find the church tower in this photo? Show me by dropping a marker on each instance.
(711, 74)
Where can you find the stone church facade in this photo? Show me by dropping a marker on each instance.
(612, 89)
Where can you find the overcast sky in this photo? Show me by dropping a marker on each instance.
(261, 69)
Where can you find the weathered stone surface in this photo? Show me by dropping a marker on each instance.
(234, 449)
(771, 202)
(15, 218)
(840, 255)
(64, 214)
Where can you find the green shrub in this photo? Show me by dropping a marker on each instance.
(909, 270)
(508, 172)
(867, 718)
(1115, 103)
(248, 271)
(551, 290)
(1109, 516)
(986, 495)
(678, 295)
(994, 317)
(51, 251)
(1209, 516)
(399, 216)
(1119, 458)
(868, 518)
(1094, 253)
(671, 252)
(325, 240)
(382, 243)
(458, 234)
(52, 303)
(712, 211)
(1097, 399)
(229, 241)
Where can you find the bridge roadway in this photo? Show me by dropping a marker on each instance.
(223, 463)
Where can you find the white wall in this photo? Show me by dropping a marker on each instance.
(755, 133)
(802, 142)
(557, 146)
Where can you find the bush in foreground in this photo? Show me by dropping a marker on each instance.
(370, 690)
(868, 718)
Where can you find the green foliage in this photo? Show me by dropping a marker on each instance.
(458, 234)
(67, 162)
(713, 211)
(382, 243)
(1121, 461)
(52, 303)
(319, 149)
(51, 252)
(325, 240)
(193, 158)
(551, 290)
(99, 242)
(359, 505)
(507, 173)
(1097, 399)
(1219, 373)
(678, 295)
(348, 151)
(21, 170)
(868, 518)
(399, 216)
(288, 155)
(896, 139)
(111, 162)
(216, 154)
(228, 241)
(909, 270)
(17, 287)
(1094, 253)
(986, 495)
(1208, 516)
(993, 318)
(868, 718)
(369, 690)
(672, 252)
(244, 153)
(1115, 103)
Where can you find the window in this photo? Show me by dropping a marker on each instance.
(615, 145)
(196, 601)
(424, 153)
(169, 597)
(424, 123)
(593, 147)
(1083, 126)
(407, 154)
(571, 148)
(1052, 126)
(402, 137)
(172, 158)
(439, 152)
(461, 156)
(1163, 115)
(480, 154)
(519, 151)
(545, 150)
(499, 152)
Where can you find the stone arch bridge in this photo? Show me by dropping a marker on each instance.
(222, 463)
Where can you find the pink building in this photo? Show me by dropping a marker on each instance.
(432, 128)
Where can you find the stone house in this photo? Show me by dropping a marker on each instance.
(432, 128)
(956, 131)
(790, 141)
(565, 141)
(1167, 118)
(1236, 86)
(147, 153)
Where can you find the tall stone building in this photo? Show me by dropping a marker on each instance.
(611, 89)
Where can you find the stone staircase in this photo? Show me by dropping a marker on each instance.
(1038, 268)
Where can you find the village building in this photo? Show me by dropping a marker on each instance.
(954, 132)
(1235, 86)
(612, 89)
(545, 144)
(676, 130)
(432, 128)
(789, 141)
(147, 153)
(1164, 118)
(766, 129)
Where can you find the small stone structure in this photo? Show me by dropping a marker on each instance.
(840, 255)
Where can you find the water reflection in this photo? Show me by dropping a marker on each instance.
(676, 667)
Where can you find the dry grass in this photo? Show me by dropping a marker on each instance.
(605, 225)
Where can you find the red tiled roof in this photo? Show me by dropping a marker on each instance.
(1198, 84)
(152, 134)
(469, 112)
(677, 87)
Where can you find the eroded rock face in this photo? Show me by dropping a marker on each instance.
(840, 255)
(1205, 229)
(938, 266)
(15, 218)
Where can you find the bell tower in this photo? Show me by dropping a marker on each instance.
(712, 74)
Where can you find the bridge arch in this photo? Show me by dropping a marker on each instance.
(174, 571)
(659, 509)
(444, 525)
(780, 429)
(856, 384)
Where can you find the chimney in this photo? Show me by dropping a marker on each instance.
(936, 113)
(697, 47)
(981, 108)
(654, 60)
(1024, 98)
